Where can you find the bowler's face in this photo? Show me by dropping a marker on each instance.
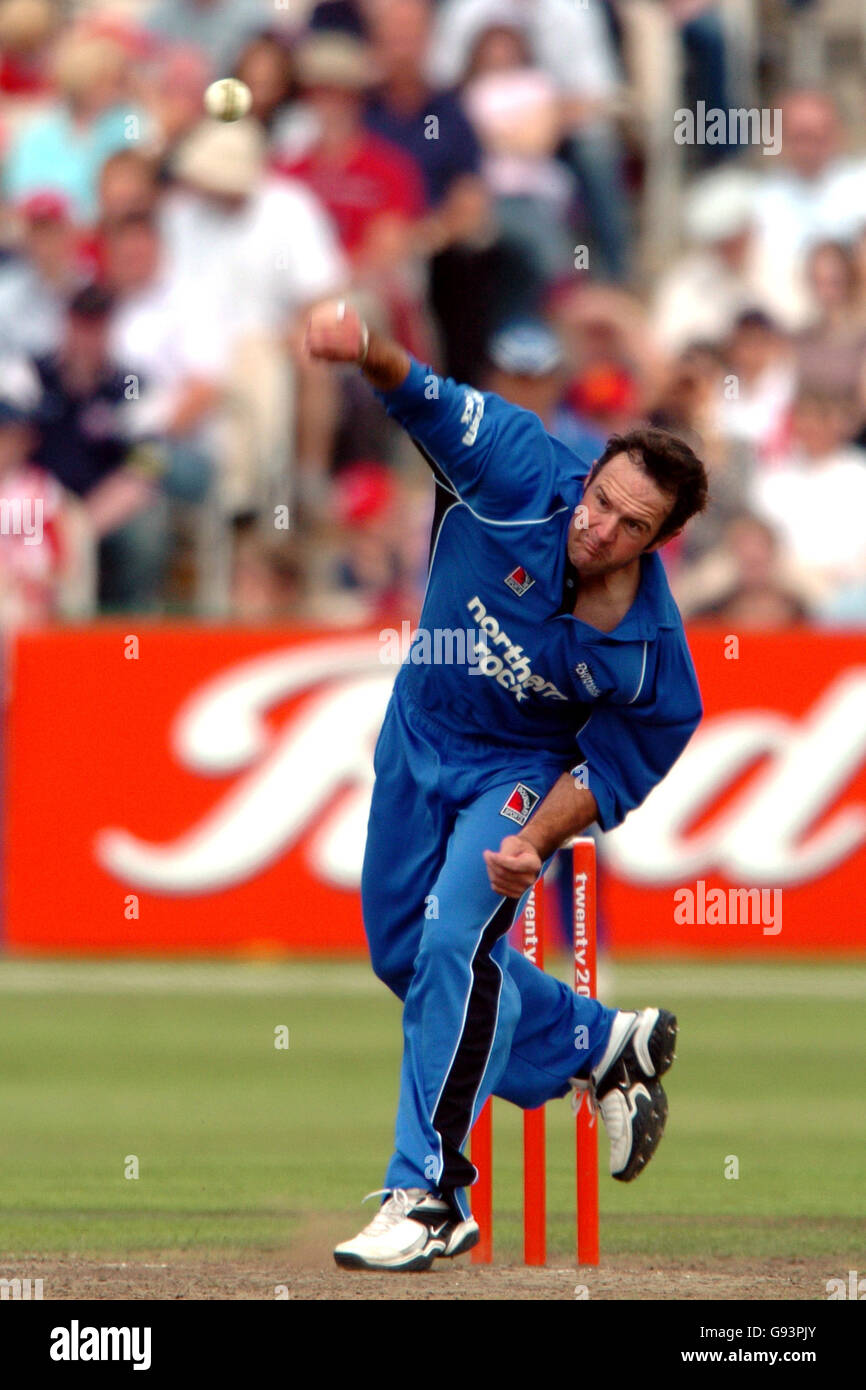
(620, 516)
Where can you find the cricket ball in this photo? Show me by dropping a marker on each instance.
(228, 99)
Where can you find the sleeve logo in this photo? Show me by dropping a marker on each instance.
(473, 410)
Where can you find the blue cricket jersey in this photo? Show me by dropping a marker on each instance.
(624, 703)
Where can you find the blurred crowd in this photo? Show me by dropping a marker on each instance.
(470, 174)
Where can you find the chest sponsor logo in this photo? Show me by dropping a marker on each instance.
(519, 581)
(520, 804)
(505, 662)
(586, 678)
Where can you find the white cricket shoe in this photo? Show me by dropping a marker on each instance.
(626, 1089)
(408, 1233)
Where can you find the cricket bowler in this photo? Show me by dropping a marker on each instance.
(577, 696)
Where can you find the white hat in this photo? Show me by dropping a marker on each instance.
(219, 157)
(719, 206)
(333, 59)
(526, 348)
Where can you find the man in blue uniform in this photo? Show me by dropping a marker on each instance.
(570, 696)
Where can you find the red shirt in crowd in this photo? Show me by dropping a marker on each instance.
(374, 177)
(20, 78)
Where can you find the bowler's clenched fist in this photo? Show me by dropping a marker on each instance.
(336, 333)
(512, 868)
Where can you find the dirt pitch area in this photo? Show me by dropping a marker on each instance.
(266, 1277)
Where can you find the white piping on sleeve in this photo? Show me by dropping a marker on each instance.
(488, 521)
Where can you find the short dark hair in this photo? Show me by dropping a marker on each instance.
(755, 318)
(138, 220)
(671, 463)
(93, 302)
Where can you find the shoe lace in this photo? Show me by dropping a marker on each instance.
(400, 1202)
(583, 1089)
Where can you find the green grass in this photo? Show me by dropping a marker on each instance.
(240, 1144)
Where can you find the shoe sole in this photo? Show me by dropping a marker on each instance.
(467, 1241)
(649, 1128)
(652, 1109)
(416, 1265)
(663, 1041)
(423, 1260)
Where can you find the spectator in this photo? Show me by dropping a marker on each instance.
(290, 123)
(707, 76)
(528, 368)
(26, 29)
(831, 351)
(515, 109)
(342, 16)
(501, 44)
(374, 571)
(858, 247)
(175, 95)
(816, 498)
(262, 249)
(700, 296)
(370, 188)
(43, 552)
(84, 443)
(430, 124)
(127, 186)
(36, 284)
(745, 584)
(169, 335)
(809, 194)
(63, 149)
(688, 404)
(572, 43)
(603, 399)
(268, 582)
(759, 385)
(218, 28)
(617, 368)
(262, 246)
(267, 67)
(690, 391)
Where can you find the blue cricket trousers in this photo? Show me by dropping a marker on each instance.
(478, 1019)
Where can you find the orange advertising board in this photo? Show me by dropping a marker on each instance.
(194, 789)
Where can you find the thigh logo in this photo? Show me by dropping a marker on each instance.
(520, 804)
